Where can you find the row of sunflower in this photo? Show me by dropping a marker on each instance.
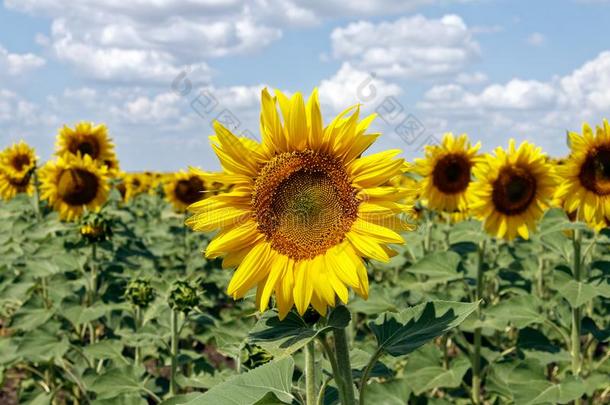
(85, 168)
(510, 189)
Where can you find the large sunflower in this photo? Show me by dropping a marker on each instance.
(17, 163)
(305, 207)
(585, 176)
(446, 172)
(183, 189)
(88, 139)
(511, 190)
(73, 184)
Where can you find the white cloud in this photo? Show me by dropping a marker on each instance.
(471, 78)
(408, 47)
(15, 64)
(148, 40)
(539, 110)
(351, 86)
(536, 39)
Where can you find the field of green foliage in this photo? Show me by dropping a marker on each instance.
(142, 317)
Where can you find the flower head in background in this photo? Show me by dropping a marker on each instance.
(88, 139)
(447, 173)
(512, 189)
(183, 189)
(17, 162)
(305, 207)
(584, 190)
(73, 184)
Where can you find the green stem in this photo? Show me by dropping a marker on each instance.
(576, 315)
(476, 355)
(45, 292)
(320, 400)
(37, 193)
(310, 373)
(138, 325)
(367, 373)
(344, 368)
(173, 388)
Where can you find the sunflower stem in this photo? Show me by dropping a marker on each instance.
(310, 373)
(37, 193)
(138, 325)
(173, 387)
(367, 372)
(344, 368)
(476, 355)
(576, 315)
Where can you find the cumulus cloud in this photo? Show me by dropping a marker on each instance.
(538, 110)
(148, 41)
(409, 47)
(351, 86)
(14, 64)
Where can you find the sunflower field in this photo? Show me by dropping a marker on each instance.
(307, 271)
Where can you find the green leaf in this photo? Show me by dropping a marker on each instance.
(79, 315)
(117, 382)
(575, 292)
(525, 383)
(106, 349)
(422, 379)
(27, 319)
(39, 346)
(400, 334)
(253, 386)
(281, 338)
(439, 267)
(519, 311)
(467, 231)
(395, 392)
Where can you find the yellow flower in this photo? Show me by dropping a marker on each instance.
(585, 176)
(88, 139)
(16, 165)
(446, 172)
(183, 189)
(305, 206)
(511, 190)
(73, 184)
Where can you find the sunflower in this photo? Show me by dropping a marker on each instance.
(133, 184)
(511, 190)
(73, 184)
(88, 139)
(446, 172)
(183, 189)
(584, 190)
(305, 207)
(17, 163)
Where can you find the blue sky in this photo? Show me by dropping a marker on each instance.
(494, 69)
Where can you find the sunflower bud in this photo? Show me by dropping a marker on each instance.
(139, 292)
(95, 228)
(183, 297)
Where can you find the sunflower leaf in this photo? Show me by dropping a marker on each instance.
(254, 386)
(400, 334)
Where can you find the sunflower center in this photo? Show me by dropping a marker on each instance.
(20, 161)
(514, 190)
(77, 186)
(189, 191)
(88, 146)
(304, 203)
(451, 174)
(595, 172)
